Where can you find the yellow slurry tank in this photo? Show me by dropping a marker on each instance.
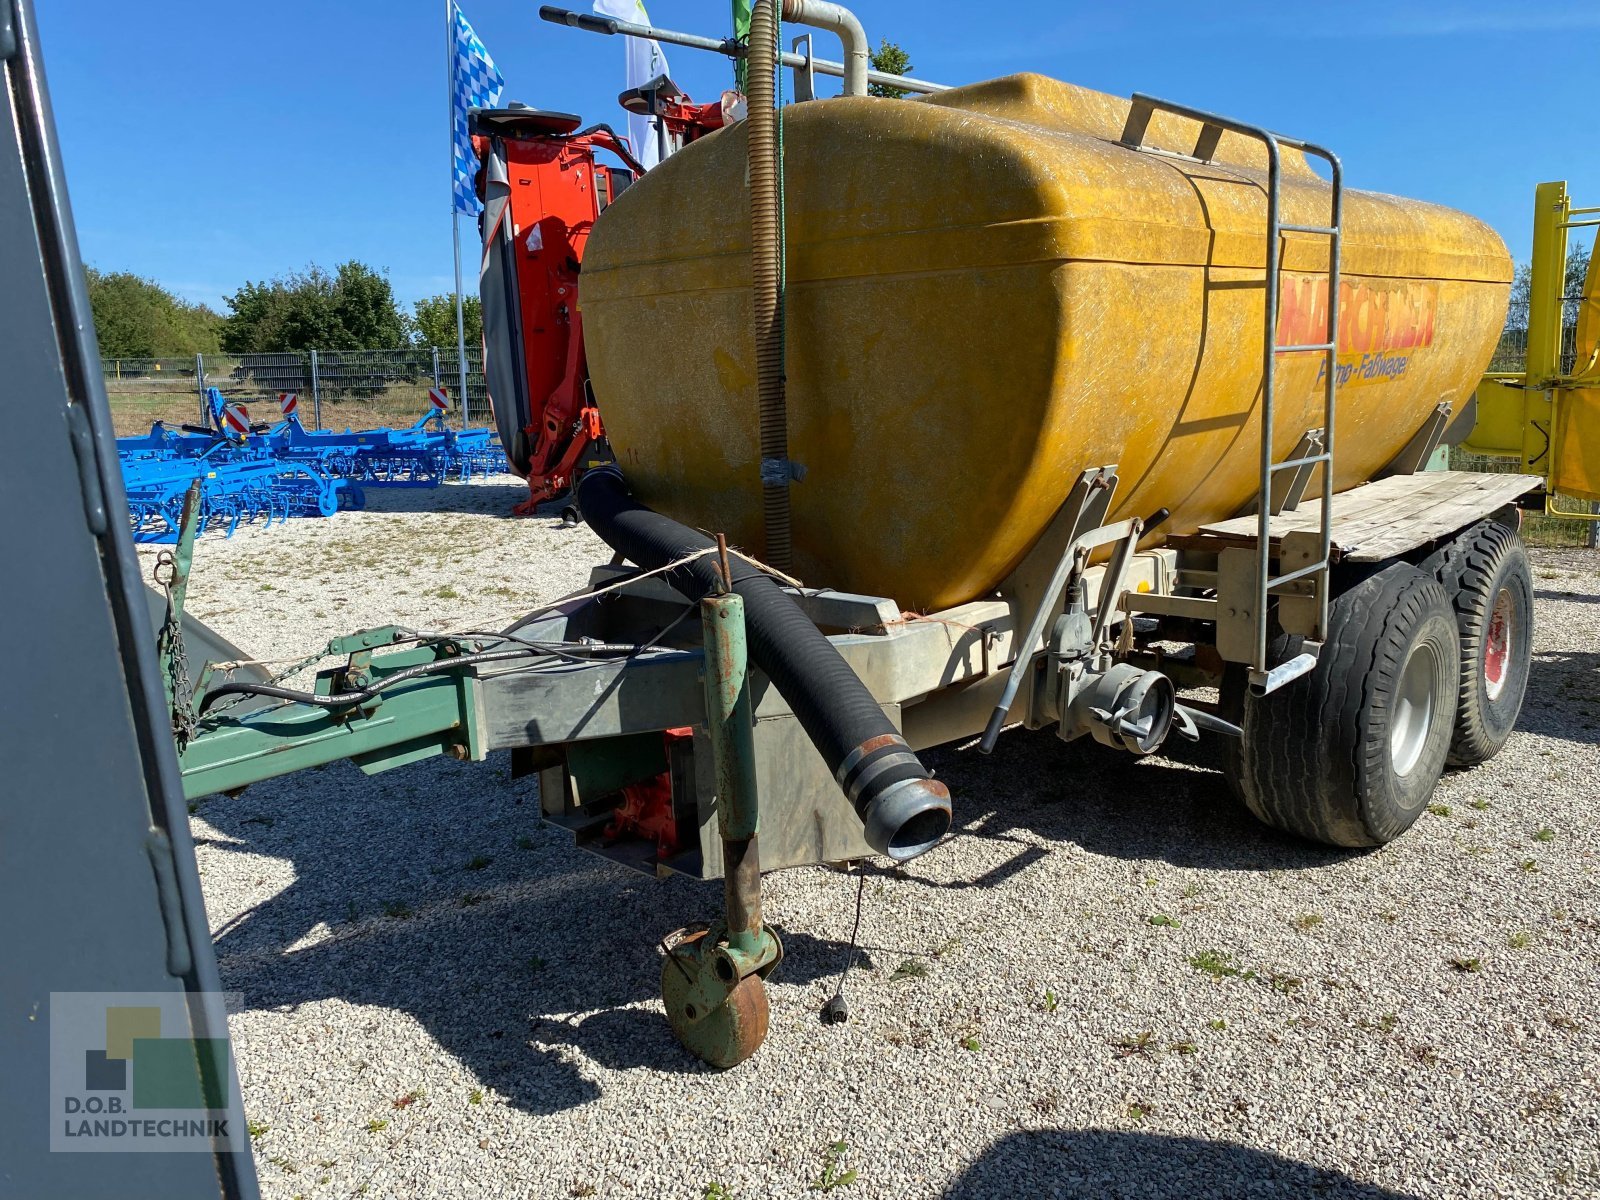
(989, 294)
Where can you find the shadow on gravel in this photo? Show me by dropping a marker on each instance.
(493, 499)
(1104, 1164)
(542, 947)
(1566, 597)
(1174, 807)
(1563, 697)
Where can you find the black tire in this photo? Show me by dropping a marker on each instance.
(1323, 757)
(1485, 574)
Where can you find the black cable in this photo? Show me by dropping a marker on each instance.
(346, 699)
(835, 1011)
(527, 648)
(570, 650)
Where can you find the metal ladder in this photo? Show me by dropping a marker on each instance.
(1264, 677)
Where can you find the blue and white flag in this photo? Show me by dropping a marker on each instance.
(474, 83)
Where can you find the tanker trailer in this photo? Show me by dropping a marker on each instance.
(1056, 403)
(1061, 369)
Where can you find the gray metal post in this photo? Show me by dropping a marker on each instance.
(435, 366)
(200, 387)
(461, 334)
(316, 394)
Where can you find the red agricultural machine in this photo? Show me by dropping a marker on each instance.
(543, 185)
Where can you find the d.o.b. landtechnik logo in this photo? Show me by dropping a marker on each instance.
(126, 1074)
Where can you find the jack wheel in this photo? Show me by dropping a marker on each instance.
(731, 1032)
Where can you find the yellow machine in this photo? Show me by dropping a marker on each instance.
(1547, 416)
(988, 290)
(1039, 363)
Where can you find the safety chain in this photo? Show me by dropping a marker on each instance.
(294, 669)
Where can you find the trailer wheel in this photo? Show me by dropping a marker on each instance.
(1485, 573)
(1349, 754)
(724, 1036)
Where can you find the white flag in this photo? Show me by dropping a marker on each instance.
(645, 60)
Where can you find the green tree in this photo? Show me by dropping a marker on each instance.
(138, 318)
(352, 309)
(435, 320)
(891, 60)
(1572, 287)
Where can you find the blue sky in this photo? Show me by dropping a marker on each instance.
(210, 143)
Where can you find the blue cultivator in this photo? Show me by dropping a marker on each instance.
(251, 472)
(415, 456)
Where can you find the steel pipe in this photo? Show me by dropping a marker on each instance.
(839, 20)
(727, 47)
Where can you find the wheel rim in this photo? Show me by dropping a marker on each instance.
(1413, 710)
(1497, 645)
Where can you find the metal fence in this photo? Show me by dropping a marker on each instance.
(1512, 352)
(337, 386)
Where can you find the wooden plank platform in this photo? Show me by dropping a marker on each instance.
(1381, 519)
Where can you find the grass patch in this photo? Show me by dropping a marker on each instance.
(1141, 1043)
(909, 968)
(834, 1175)
(1218, 965)
(1306, 921)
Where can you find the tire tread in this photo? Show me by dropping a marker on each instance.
(1306, 768)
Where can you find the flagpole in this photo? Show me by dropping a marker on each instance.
(461, 325)
(455, 217)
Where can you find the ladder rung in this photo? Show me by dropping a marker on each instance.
(1329, 230)
(1322, 347)
(1308, 460)
(1313, 569)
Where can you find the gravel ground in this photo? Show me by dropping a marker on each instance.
(1111, 983)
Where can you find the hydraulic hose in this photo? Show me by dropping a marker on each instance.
(765, 281)
(903, 809)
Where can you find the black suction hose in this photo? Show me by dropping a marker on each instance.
(904, 810)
